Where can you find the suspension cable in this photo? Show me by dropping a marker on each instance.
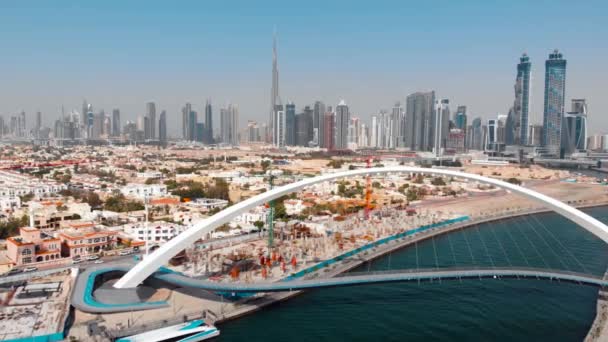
(546, 243)
(483, 243)
(560, 243)
(523, 232)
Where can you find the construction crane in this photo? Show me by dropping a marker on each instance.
(368, 189)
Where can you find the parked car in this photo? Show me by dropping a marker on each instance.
(13, 271)
(76, 261)
(30, 269)
(125, 252)
(98, 261)
(92, 257)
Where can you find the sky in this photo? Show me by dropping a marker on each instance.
(122, 54)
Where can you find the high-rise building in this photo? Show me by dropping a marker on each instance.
(441, 125)
(342, 121)
(185, 121)
(116, 122)
(476, 141)
(595, 143)
(89, 122)
(200, 131)
(396, 134)
(329, 130)
(310, 117)
(419, 121)
(151, 115)
(555, 91)
(574, 128)
(97, 126)
(460, 117)
(290, 124)
(280, 129)
(84, 118)
(511, 133)
(317, 122)
(192, 122)
(208, 123)
(522, 100)
(162, 128)
(274, 91)
(303, 125)
(253, 132)
(38, 123)
(229, 122)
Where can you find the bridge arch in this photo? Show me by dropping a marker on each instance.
(161, 256)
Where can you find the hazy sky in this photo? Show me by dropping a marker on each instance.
(121, 54)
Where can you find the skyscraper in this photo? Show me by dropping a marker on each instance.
(280, 129)
(290, 124)
(162, 128)
(342, 121)
(84, 119)
(317, 122)
(477, 139)
(229, 122)
(303, 127)
(329, 130)
(511, 135)
(460, 117)
(574, 128)
(274, 91)
(522, 99)
(396, 133)
(116, 122)
(419, 120)
(151, 115)
(192, 122)
(89, 121)
(555, 91)
(185, 120)
(440, 124)
(208, 123)
(38, 123)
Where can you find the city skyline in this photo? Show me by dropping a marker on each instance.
(347, 70)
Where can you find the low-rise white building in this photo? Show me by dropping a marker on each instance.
(10, 203)
(141, 191)
(207, 204)
(150, 174)
(157, 232)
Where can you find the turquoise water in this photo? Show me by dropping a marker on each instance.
(467, 310)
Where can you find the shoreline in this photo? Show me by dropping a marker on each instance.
(252, 305)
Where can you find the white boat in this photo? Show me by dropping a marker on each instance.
(190, 331)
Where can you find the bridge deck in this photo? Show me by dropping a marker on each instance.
(84, 300)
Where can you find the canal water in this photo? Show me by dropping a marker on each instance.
(455, 310)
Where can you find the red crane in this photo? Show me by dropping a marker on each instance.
(368, 189)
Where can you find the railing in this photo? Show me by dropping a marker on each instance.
(181, 317)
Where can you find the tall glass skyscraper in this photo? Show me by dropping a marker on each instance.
(208, 123)
(290, 124)
(522, 100)
(555, 91)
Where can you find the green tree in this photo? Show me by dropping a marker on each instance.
(438, 181)
(514, 180)
(259, 224)
(11, 226)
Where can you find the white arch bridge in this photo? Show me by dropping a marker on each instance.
(161, 256)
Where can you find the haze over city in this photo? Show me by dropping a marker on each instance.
(118, 55)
